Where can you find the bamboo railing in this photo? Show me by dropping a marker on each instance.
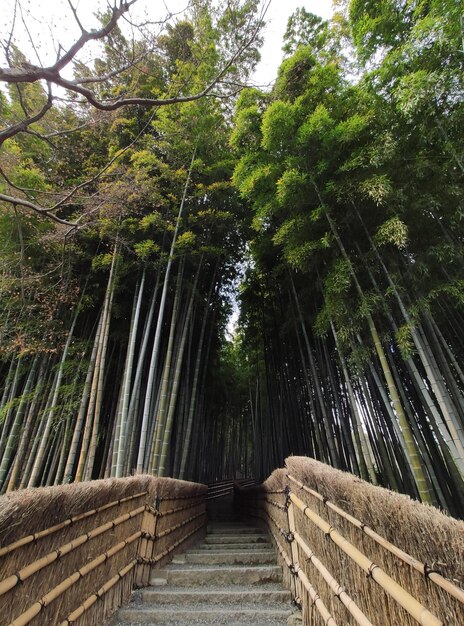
(223, 488)
(342, 570)
(60, 569)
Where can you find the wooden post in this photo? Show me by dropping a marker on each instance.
(146, 544)
(293, 547)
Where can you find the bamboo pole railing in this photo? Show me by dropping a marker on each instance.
(408, 602)
(333, 573)
(80, 569)
(422, 568)
(67, 522)
(222, 488)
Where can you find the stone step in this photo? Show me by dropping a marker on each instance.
(204, 575)
(220, 547)
(236, 538)
(229, 557)
(226, 621)
(233, 530)
(230, 579)
(204, 614)
(268, 594)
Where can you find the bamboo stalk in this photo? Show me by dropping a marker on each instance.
(37, 566)
(402, 597)
(168, 531)
(142, 456)
(326, 616)
(57, 591)
(176, 544)
(90, 601)
(445, 584)
(337, 589)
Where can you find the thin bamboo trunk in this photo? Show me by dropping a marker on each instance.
(141, 458)
(365, 460)
(161, 414)
(123, 416)
(411, 446)
(26, 432)
(91, 421)
(13, 437)
(77, 434)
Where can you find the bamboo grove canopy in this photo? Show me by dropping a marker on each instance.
(329, 208)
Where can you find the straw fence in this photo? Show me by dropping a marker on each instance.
(73, 554)
(354, 554)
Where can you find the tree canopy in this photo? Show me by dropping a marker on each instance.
(329, 208)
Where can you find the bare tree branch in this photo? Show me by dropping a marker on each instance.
(23, 125)
(25, 73)
(76, 17)
(7, 45)
(34, 207)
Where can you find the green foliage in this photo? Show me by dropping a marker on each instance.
(377, 187)
(404, 341)
(294, 73)
(185, 242)
(102, 262)
(393, 231)
(338, 281)
(152, 220)
(290, 188)
(304, 28)
(146, 249)
(278, 127)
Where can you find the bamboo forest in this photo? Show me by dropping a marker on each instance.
(201, 275)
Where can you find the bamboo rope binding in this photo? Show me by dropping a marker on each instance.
(435, 577)
(404, 599)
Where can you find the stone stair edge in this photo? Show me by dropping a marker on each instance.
(226, 579)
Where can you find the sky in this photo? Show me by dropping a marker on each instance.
(277, 17)
(50, 21)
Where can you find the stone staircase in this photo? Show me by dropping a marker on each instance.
(230, 578)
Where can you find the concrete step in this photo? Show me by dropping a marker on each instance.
(220, 547)
(230, 579)
(204, 614)
(205, 575)
(217, 621)
(237, 594)
(229, 557)
(236, 538)
(220, 529)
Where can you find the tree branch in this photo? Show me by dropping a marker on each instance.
(35, 207)
(24, 124)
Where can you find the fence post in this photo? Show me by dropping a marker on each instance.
(293, 547)
(146, 544)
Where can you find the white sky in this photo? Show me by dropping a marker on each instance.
(277, 17)
(50, 21)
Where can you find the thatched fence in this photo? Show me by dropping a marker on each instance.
(354, 554)
(73, 554)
